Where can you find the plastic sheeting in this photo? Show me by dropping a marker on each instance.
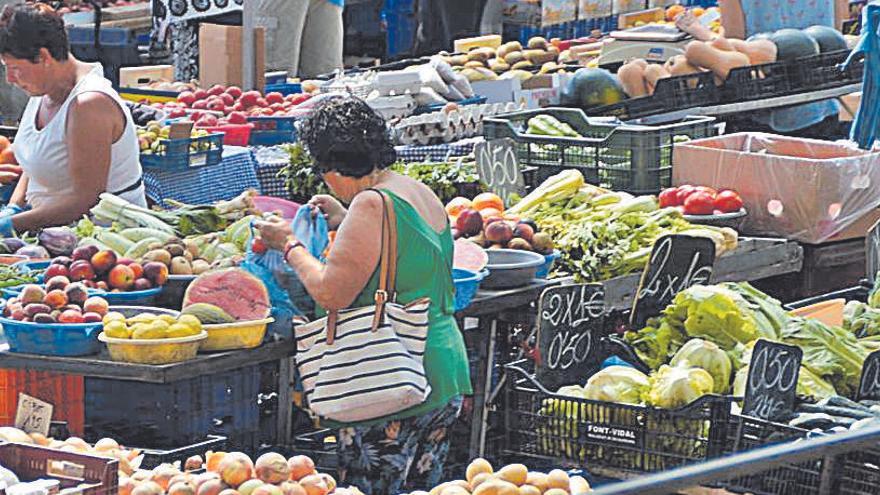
(866, 125)
(799, 189)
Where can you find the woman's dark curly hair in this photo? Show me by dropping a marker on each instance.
(25, 28)
(343, 134)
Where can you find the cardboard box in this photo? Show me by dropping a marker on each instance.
(220, 56)
(538, 92)
(593, 9)
(849, 105)
(801, 189)
(539, 12)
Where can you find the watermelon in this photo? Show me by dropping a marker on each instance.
(469, 256)
(760, 36)
(240, 294)
(792, 44)
(589, 87)
(828, 38)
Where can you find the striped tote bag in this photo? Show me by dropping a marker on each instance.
(364, 363)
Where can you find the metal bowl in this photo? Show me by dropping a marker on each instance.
(510, 268)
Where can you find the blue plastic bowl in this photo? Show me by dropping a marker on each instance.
(133, 298)
(467, 283)
(52, 339)
(551, 258)
(29, 266)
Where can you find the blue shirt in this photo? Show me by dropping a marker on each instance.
(340, 3)
(762, 16)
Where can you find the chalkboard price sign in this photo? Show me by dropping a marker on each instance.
(570, 321)
(872, 252)
(772, 383)
(677, 262)
(499, 168)
(869, 386)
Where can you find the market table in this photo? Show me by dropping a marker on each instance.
(235, 174)
(100, 366)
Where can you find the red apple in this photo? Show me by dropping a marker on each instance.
(200, 105)
(274, 97)
(200, 94)
(228, 100)
(216, 106)
(216, 90)
(249, 99)
(237, 118)
(56, 270)
(234, 91)
(261, 102)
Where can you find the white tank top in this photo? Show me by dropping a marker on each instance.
(43, 156)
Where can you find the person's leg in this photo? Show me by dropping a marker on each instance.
(283, 21)
(432, 446)
(376, 458)
(321, 50)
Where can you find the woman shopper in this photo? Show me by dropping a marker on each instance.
(350, 146)
(303, 37)
(743, 18)
(76, 138)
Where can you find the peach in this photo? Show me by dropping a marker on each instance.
(96, 305)
(156, 272)
(126, 485)
(55, 271)
(31, 294)
(77, 293)
(81, 270)
(55, 299)
(84, 253)
(267, 490)
(300, 467)
(137, 268)
(249, 486)
(59, 282)
(148, 488)
(272, 468)
(181, 488)
(236, 468)
(203, 478)
(92, 318)
(213, 460)
(71, 316)
(211, 487)
(469, 222)
(193, 463)
(103, 261)
(314, 484)
(292, 488)
(121, 277)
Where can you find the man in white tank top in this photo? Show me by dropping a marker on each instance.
(76, 138)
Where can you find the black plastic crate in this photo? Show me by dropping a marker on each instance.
(672, 94)
(320, 445)
(635, 159)
(757, 82)
(162, 416)
(858, 293)
(826, 71)
(608, 437)
(156, 457)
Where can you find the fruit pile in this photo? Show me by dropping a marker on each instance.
(149, 326)
(235, 474)
(59, 302)
(180, 257)
(513, 479)
(509, 61)
(230, 105)
(483, 222)
(701, 200)
(104, 270)
(105, 447)
(151, 137)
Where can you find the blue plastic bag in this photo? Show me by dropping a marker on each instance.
(866, 126)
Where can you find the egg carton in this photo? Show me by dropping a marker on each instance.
(358, 84)
(446, 127)
(393, 107)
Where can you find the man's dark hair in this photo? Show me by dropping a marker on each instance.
(27, 27)
(345, 135)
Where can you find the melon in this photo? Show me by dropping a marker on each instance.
(828, 38)
(760, 36)
(240, 294)
(469, 256)
(590, 87)
(792, 44)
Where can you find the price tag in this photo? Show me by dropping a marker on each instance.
(771, 388)
(180, 130)
(872, 252)
(677, 262)
(570, 321)
(869, 386)
(499, 168)
(33, 415)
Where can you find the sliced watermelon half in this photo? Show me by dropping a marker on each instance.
(469, 256)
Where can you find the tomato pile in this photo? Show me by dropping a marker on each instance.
(701, 200)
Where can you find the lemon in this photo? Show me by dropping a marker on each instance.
(147, 332)
(113, 316)
(180, 330)
(143, 318)
(191, 321)
(168, 319)
(160, 326)
(117, 329)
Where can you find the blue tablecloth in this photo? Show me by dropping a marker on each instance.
(437, 152)
(268, 162)
(226, 180)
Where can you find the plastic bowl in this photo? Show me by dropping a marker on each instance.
(549, 261)
(173, 291)
(510, 268)
(467, 283)
(733, 220)
(133, 298)
(13, 259)
(153, 351)
(55, 339)
(287, 208)
(238, 335)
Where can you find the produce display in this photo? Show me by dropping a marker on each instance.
(229, 294)
(105, 270)
(603, 234)
(510, 60)
(149, 326)
(513, 479)
(58, 302)
(153, 139)
(483, 222)
(209, 107)
(235, 473)
(105, 447)
(143, 113)
(453, 123)
(700, 200)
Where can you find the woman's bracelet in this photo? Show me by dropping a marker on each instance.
(290, 247)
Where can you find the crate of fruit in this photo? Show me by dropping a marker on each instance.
(623, 157)
(269, 131)
(201, 149)
(91, 474)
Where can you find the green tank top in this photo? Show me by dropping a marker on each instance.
(424, 269)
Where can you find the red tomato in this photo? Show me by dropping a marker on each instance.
(699, 203)
(258, 246)
(707, 189)
(684, 192)
(728, 201)
(669, 197)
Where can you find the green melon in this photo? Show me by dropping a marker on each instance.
(589, 87)
(792, 44)
(828, 38)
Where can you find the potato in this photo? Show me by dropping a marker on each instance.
(538, 480)
(497, 487)
(514, 57)
(578, 486)
(504, 50)
(524, 65)
(459, 60)
(479, 479)
(538, 43)
(522, 75)
(514, 473)
(477, 466)
(529, 490)
(481, 54)
(550, 67)
(498, 65)
(557, 479)
(474, 64)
